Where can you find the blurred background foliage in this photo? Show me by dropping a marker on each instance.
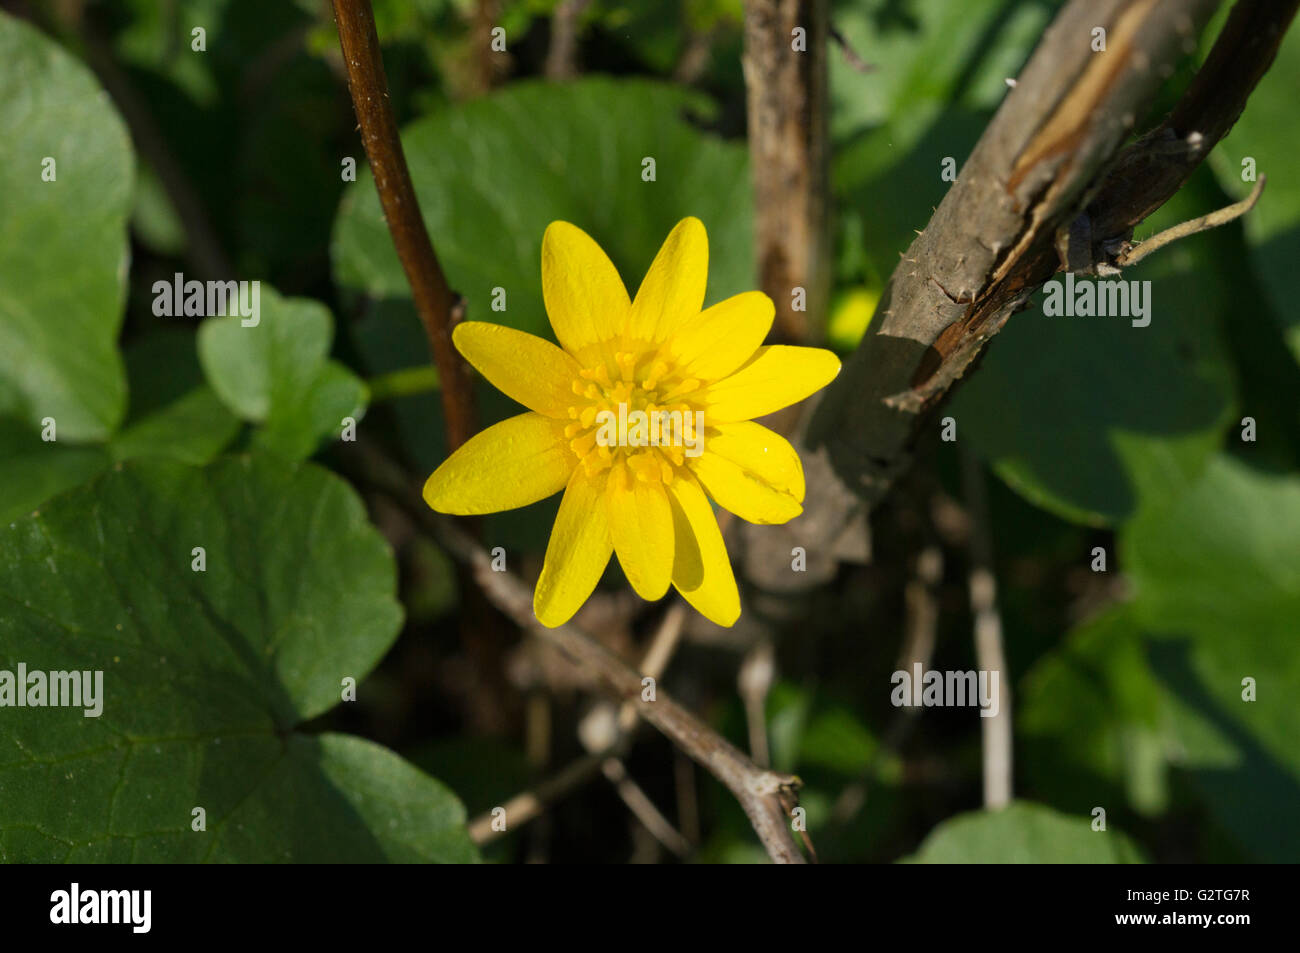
(1127, 684)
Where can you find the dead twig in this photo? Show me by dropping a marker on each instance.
(989, 655)
(1223, 216)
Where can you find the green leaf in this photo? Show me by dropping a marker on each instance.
(208, 676)
(1024, 833)
(1088, 416)
(63, 243)
(1217, 574)
(925, 56)
(172, 412)
(1092, 717)
(194, 429)
(277, 373)
(32, 470)
(493, 173)
(1265, 133)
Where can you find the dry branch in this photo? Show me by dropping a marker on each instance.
(1048, 172)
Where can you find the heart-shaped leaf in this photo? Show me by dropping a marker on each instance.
(224, 607)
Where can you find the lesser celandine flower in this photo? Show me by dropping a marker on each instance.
(641, 415)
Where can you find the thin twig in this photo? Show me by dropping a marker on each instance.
(989, 655)
(643, 809)
(434, 300)
(754, 681)
(1213, 220)
(688, 809)
(662, 646)
(523, 807)
(856, 63)
(920, 631)
(758, 791)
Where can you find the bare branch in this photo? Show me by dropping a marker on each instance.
(1050, 159)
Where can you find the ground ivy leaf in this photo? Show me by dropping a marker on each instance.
(491, 174)
(66, 238)
(207, 675)
(1024, 833)
(277, 373)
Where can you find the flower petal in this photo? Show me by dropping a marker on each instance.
(762, 453)
(777, 376)
(585, 298)
(723, 337)
(743, 491)
(672, 291)
(577, 554)
(519, 461)
(522, 366)
(641, 524)
(701, 569)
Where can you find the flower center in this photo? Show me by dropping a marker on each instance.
(641, 415)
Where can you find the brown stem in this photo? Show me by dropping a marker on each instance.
(434, 300)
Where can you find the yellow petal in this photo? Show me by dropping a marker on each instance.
(516, 462)
(701, 570)
(761, 453)
(642, 528)
(742, 490)
(776, 377)
(723, 337)
(672, 292)
(522, 366)
(585, 298)
(577, 554)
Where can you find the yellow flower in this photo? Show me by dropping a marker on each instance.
(646, 500)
